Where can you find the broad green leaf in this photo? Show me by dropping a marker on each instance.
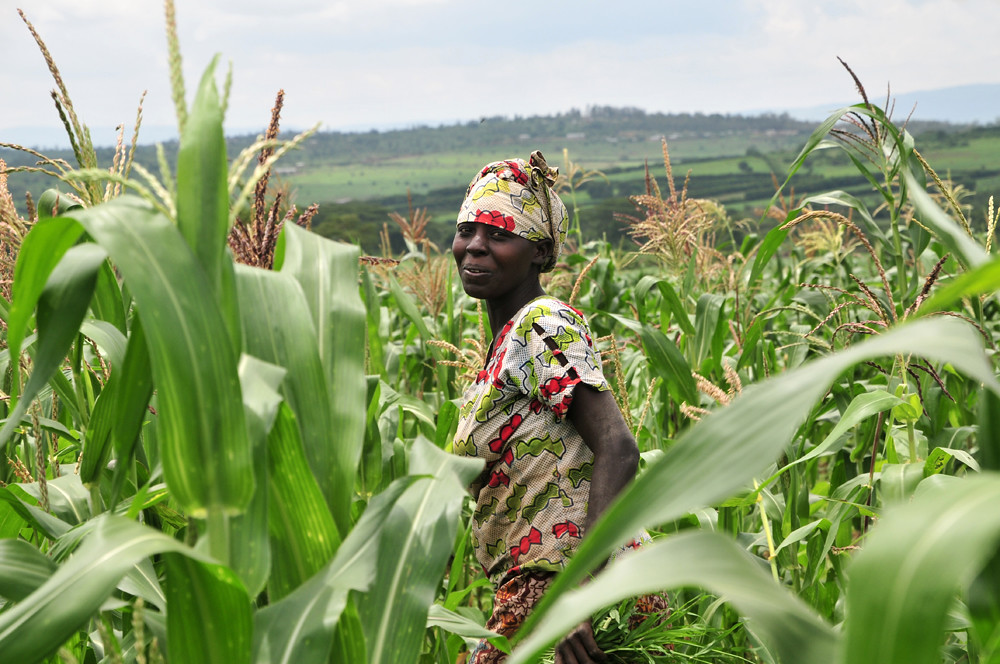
(983, 279)
(107, 303)
(299, 629)
(208, 618)
(738, 442)
(61, 308)
(327, 271)
(455, 623)
(35, 628)
(939, 457)
(416, 541)
(673, 302)
(303, 534)
(201, 427)
(40, 252)
(984, 592)
(11, 522)
(708, 314)
(847, 200)
(784, 623)
(69, 500)
(43, 522)
(203, 195)
(802, 533)
(108, 338)
(950, 233)
(142, 581)
(667, 362)
(898, 481)
(282, 333)
(23, 569)
(861, 408)
(919, 555)
(119, 411)
(251, 551)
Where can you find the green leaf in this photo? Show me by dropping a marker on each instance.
(667, 362)
(203, 195)
(327, 271)
(947, 231)
(41, 521)
(456, 623)
(37, 626)
(915, 560)
(861, 408)
(416, 540)
(251, 551)
(708, 315)
(736, 443)
(282, 333)
(983, 279)
(209, 618)
(299, 629)
(23, 569)
(673, 302)
(201, 427)
(847, 200)
(61, 308)
(40, 252)
(109, 339)
(69, 500)
(107, 303)
(303, 534)
(119, 411)
(784, 623)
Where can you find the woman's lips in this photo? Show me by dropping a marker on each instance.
(475, 271)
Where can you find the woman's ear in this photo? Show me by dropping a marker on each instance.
(543, 250)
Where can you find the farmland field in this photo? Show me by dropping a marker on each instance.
(227, 438)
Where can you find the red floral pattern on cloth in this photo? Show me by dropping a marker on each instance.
(495, 218)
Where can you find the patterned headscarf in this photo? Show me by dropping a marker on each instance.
(518, 197)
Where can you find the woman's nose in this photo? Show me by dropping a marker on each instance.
(477, 242)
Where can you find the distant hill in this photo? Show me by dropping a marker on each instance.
(958, 105)
(961, 104)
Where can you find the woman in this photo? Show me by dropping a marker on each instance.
(540, 412)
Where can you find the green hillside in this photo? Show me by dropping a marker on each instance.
(358, 178)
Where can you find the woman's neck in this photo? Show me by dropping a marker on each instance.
(502, 309)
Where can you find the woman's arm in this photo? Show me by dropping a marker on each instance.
(616, 458)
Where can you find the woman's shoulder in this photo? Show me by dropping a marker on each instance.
(548, 314)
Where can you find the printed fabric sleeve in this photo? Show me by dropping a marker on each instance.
(563, 356)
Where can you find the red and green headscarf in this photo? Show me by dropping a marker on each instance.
(518, 197)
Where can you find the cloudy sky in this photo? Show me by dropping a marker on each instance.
(358, 64)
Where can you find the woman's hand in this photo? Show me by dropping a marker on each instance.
(580, 647)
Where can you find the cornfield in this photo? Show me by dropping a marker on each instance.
(219, 459)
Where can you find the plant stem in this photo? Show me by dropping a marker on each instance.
(771, 558)
(218, 534)
(871, 469)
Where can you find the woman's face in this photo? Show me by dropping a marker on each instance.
(493, 262)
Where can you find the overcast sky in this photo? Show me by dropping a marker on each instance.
(358, 64)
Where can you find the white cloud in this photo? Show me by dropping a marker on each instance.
(408, 61)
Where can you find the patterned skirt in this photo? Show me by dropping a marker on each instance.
(517, 597)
